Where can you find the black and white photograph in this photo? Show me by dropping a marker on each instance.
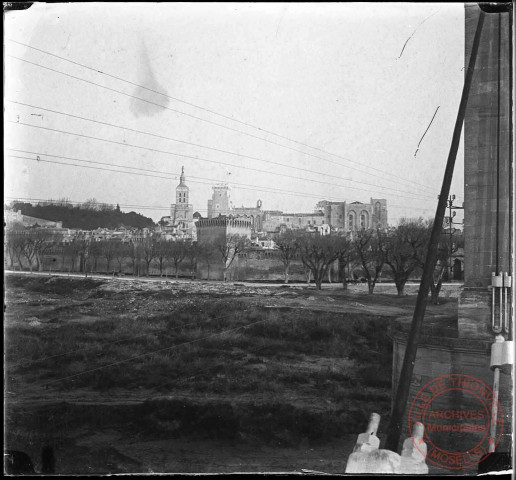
(258, 238)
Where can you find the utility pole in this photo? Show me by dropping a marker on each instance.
(451, 198)
(402, 393)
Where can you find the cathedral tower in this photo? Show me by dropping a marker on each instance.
(181, 213)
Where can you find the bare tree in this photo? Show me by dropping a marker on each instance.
(55, 249)
(50, 246)
(229, 248)
(90, 204)
(106, 207)
(308, 274)
(63, 202)
(15, 244)
(136, 257)
(207, 254)
(192, 255)
(36, 244)
(122, 251)
(162, 248)
(344, 257)
(405, 249)
(318, 252)
(29, 253)
(108, 251)
(79, 250)
(367, 246)
(288, 247)
(148, 251)
(95, 252)
(176, 254)
(69, 252)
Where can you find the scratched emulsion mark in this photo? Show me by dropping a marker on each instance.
(413, 33)
(427, 128)
(149, 97)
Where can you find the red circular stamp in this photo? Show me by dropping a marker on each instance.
(457, 413)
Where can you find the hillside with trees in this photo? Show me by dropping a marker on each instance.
(85, 216)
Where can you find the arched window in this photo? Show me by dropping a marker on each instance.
(378, 211)
(351, 221)
(364, 220)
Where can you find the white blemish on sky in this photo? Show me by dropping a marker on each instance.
(147, 86)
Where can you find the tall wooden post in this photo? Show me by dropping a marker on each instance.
(407, 369)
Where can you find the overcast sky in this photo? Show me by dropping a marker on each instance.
(288, 103)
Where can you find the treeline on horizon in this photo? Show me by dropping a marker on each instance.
(85, 216)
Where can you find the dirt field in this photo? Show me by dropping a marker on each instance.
(174, 376)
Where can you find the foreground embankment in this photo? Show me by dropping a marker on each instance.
(133, 376)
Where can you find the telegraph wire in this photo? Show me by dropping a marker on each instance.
(202, 370)
(148, 207)
(25, 363)
(157, 351)
(171, 176)
(260, 189)
(195, 157)
(206, 109)
(211, 122)
(67, 202)
(203, 146)
(248, 187)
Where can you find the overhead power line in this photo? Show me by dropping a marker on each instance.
(159, 350)
(200, 371)
(200, 180)
(204, 146)
(170, 176)
(67, 201)
(210, 182)
(27, 362)
(218, 162)
(383, 172)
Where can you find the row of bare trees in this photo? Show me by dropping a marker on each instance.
(141, 255)
(402, 250)
(30, 245)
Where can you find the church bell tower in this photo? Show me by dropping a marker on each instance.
(181, 212)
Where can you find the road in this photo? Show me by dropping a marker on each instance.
(99, 276)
